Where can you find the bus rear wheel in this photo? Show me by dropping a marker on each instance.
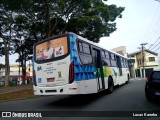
(110, 85)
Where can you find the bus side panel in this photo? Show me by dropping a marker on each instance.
(91, 86)
(84, 75)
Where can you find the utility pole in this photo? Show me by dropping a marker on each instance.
(143, 44)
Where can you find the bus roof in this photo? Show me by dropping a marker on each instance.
(95, 44)
(86, 40)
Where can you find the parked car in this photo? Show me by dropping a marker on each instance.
(152, 87)
(2, 81)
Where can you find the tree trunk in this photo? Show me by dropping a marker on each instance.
(23, 68)
(7, 66)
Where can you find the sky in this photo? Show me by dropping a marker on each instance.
(139, 24)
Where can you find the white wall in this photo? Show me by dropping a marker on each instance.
(153, 62)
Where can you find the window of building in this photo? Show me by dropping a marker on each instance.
(151, 59)
(139, 62)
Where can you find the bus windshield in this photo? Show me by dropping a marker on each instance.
(51, 49)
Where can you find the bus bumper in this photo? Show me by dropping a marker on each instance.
(70, 89)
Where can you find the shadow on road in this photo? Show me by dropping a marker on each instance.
(80, 100)
(77, 100)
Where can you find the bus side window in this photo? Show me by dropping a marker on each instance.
(102, 52)
(106, 59)
(86, 48)
(126, 63)
(85, 53)
(113, 60)
(80, 46)
(107, 55)
(122, 63)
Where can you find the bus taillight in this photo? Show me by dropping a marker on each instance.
(34, 78)
(71, 72)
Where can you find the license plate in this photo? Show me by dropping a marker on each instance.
(50, 79)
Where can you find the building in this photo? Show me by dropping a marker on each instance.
(150, 63)
(121, 50)
(16, 72)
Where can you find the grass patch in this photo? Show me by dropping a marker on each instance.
(23, 94)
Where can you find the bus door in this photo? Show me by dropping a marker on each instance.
(119, 65)
(99, 71)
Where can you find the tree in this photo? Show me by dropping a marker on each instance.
(13, 31)
(23, 43)
(21, 19)
(6, 32)
(89, 18)
(2, 66)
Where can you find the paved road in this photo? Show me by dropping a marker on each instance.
(128, 97)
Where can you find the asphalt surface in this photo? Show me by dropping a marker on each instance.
(128, 97)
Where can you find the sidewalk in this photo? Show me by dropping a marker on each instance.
(15, 88)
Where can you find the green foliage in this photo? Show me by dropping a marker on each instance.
(12, 83)
(2, 66)
(23, 20)
(44, 18)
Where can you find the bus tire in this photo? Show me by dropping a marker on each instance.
(110, 85)
(127, 79)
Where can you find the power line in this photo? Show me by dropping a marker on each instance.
(154, 43)
(152, 21)
(154, 28)
(156, 31)
(157, 49)
(155, 46)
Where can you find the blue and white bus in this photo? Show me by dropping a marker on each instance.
(69, 64)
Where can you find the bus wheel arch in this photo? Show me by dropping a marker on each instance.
(110, 84)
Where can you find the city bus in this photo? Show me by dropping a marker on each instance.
(69, 64)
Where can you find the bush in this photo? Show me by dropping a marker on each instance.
(12, 83)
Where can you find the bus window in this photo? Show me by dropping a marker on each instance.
(126, 63)
(123, 62)
(86, 48)
(106, 60)
(80, 47)
(107, 54)
(85, 53)
(103, 55)
(51, 48)
(113, 60)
